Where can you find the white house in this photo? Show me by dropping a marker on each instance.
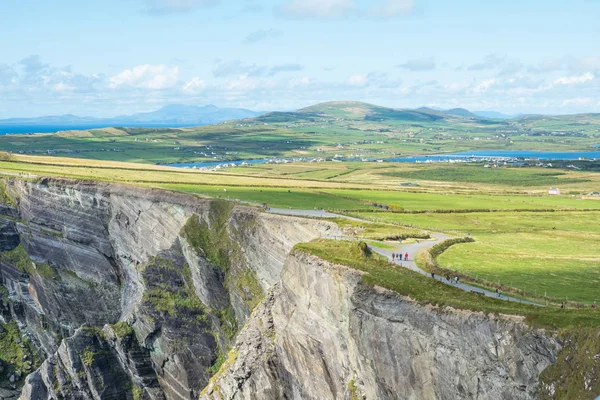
(554, 191)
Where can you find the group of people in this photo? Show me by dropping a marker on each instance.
(398, 257)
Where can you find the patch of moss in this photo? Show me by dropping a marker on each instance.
(87, 357)
(122, 329)
(576, 373)
(353, 389)
(5, 198)
(221, 358)
(138, 393)
(173, 294)
(16, 352)
(229, 324)
(211, 241)
(249, 288)
(19, 258)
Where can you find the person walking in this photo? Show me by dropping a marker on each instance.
(393, 256)
(406, 257)
(433, 275)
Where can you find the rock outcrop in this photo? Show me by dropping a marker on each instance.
(323, 334)
(183, 272)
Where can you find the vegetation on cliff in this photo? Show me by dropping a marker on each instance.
(17, 354)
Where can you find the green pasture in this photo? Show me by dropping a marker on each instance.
(549, 253)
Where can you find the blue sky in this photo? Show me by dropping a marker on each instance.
(104, 58)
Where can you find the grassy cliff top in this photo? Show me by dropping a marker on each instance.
(427, 291)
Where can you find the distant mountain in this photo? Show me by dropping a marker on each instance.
(494, 114)
(171, 115)
(352, 110)
(194, 115)
(461, 112)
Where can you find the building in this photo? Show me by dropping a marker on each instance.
(554, 191)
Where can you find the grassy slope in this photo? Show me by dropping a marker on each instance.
(428, 291)
(553, 254)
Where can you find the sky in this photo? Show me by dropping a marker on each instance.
(114, 57)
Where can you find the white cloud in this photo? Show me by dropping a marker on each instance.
(392, 8)
(578, 101)
(358, 80)
(194, 85)
(318, 8)
(146, 76)
(241, 83)
(484, 86)
(573, 80)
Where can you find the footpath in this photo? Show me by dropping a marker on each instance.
(411, 248)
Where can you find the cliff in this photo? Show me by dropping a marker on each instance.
(133, 293)
(184, 273)
(323, 334)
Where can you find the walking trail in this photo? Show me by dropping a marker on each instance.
(411, 248)
(420, 245)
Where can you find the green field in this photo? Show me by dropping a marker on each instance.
(495, 176)
(553, 254)
(274, 197)
(422, 289)
(349, 129)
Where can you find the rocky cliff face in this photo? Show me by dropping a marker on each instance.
(133, 293)
(182, 272)
(323, 334)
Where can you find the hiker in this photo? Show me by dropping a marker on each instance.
(448, 278)
(433, 275)
(406, 257)
(393, 256)
(456, 280)
(594, 305)
(562, 304)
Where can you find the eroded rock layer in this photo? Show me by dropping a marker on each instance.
(183, 273)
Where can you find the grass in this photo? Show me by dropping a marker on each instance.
(496, 176)
(429, 291)
(19, 258)
(14, 356)
(553, 255)
(573, 376)
(274, 197)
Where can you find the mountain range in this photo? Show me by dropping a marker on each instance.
(175, 115)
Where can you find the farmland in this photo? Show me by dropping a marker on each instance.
(346, 129)
(526, 240)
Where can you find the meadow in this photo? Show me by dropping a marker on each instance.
(542, 254)
(526, 240)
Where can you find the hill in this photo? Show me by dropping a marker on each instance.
(355, 110)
